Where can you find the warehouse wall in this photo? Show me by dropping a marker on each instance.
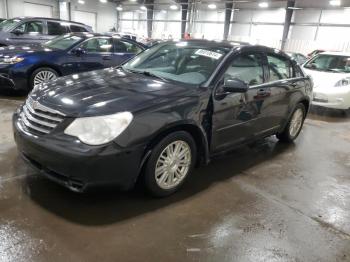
(15, 7)
(106, 14)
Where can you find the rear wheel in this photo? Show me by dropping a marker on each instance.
(171, 162)
(42, 75)
(294, 126)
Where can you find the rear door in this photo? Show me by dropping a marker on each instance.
(281, 84)
(55, 28)
(236, 115)
(124, 50)
(98, 53)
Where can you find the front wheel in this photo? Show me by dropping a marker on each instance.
(42, 75)
(294, 126)
(171, 162)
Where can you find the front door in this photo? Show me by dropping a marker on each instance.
(236, 115)
(28, 33)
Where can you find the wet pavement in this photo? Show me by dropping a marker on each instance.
(266, 202)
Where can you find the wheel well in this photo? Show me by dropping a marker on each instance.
(306, 103)
(193, 130)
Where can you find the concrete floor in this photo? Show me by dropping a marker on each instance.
(267, 202)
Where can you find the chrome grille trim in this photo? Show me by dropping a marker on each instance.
(28, 124)
(39, 118)
(32, 118)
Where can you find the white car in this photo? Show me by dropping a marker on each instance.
(330, 72)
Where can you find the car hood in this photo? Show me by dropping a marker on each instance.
(325, 80)
(108, 91)
(23, 50)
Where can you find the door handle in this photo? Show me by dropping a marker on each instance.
(107, 58)
(263, 92)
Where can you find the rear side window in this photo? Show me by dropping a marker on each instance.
(126, 47)
(54, 28)
(279, 68)
(247, 68)
(98, 45)
(76, 28)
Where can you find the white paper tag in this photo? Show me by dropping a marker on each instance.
(208, 53)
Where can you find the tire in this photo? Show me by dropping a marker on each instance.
(290, 133)
(171, 174)
(40, 73)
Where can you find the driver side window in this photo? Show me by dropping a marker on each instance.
(32, 27)
(247, 68)
(97, 45)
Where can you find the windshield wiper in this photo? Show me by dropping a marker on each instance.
(147, 73)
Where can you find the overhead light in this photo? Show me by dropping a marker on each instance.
(173, 7)
(119, 8)
(143, 7)
(163, 11)
(81, 2)
(212, 6)
(133, 0)
(103, 1)
(264, 4)
(295, 8)
(335, 2)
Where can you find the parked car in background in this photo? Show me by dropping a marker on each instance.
(29, 30)
(174, 106)
(2, 19)
(300, 58)
(315, 52)
(330, 72)
(23, 67)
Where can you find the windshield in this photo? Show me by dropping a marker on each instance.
(7, 24)
(330, 63)
(63, 42)
(182, 61)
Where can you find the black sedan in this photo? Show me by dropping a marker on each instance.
(23, 67)
(159, 115)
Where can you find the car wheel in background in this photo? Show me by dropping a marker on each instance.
(294, 126)
(170, 163)
(42, 75)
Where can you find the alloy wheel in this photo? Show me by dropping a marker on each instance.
(173, 164)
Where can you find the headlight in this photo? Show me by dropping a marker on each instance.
(343, 82)
(11, 60)
(100, 129)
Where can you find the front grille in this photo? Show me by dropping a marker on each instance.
(39, 118)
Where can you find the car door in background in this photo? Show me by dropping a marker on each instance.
(55, 29)
(235, 114)
(97, 53)
(124, 50)
(28, 33)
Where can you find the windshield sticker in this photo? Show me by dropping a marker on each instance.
(208, 53)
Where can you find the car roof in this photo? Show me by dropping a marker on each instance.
(48, 19)
(233, 45)
(336, 53)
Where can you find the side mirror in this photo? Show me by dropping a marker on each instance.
(234, 85)
(17, 32)
(78, 51)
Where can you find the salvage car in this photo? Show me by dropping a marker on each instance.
(23, 67)
(330, 72)
(156, 117)
(32, 30)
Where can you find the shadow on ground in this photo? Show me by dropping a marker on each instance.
(107, 206)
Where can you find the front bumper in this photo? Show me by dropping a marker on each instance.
(335, 99)
(75, 165)
(12, 80)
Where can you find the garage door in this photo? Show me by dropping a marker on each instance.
(31, 9)
(87, 18)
